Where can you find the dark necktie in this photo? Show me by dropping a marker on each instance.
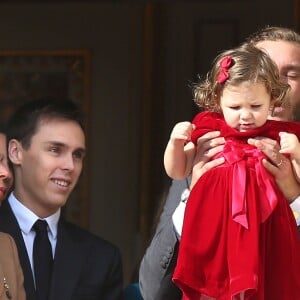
(42, 259)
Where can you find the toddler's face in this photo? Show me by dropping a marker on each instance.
(245, 106)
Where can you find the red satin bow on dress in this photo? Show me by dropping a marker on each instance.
(225, 64)
(236, 154)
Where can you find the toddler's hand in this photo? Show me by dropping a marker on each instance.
(289, 142)
(182, 132)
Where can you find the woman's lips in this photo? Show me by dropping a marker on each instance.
(3, 190)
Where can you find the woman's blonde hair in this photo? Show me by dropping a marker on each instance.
(248, 64)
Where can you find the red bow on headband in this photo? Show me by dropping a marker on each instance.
(225, 65)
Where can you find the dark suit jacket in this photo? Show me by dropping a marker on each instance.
(159, 261)
(86, 267)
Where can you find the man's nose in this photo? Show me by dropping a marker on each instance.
(68, 162)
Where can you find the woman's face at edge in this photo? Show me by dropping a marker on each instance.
(5, 172)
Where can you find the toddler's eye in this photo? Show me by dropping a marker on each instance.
(256, 106)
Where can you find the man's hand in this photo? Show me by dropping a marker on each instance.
(208, 145)
(279, 166)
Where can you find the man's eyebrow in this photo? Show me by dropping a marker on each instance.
(56, 143)
(60, 144)
(295, 67)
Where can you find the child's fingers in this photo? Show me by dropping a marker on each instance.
(284, 150)
(179, 136)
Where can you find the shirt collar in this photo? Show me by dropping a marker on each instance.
(26, 218)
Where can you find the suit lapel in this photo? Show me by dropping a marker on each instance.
(69, 257)
(9, 224)
(67, 261)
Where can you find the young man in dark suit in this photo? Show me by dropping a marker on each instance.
(46, 146)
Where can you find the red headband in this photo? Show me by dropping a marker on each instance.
(225, 65)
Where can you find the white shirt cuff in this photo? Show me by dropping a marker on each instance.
(178, 214)
(295, 206)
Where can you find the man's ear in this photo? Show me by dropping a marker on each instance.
(15, 151)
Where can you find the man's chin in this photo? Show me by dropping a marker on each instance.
(296, 113)
(282, 114)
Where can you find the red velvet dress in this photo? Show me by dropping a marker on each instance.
(239, 237)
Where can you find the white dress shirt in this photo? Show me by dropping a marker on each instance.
(295, 206)
(26, 218)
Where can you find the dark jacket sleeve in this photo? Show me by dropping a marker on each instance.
(159, 261)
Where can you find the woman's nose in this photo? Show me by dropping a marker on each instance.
(5, 173)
